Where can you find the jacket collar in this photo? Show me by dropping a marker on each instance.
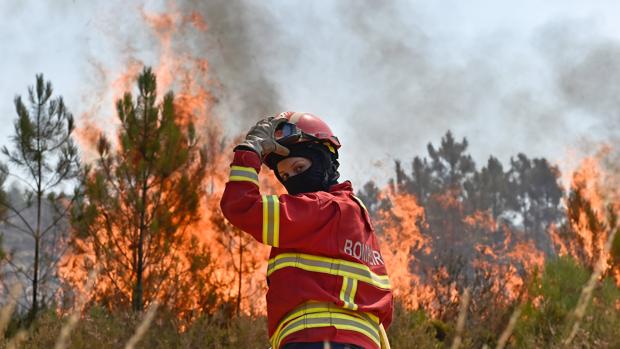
(344, 186)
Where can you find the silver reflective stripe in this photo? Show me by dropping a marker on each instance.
(322, 309)
(366, 273)
(347, 293)
(328, 266)
(246, 174)
(243, 174)
(329, 319)
(271, 220)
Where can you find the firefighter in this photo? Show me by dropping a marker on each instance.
(326, 276)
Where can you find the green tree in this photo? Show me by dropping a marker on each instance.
(536, 195)
(372, 198)
(489, 189)
(140, 199)
(450, 167)
(44, 157)
(450, 164)
(421, 181)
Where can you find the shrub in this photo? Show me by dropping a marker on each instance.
(547, 315)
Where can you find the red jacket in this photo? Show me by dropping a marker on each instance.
(326, 276)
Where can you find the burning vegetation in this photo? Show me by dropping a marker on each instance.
(146, 217)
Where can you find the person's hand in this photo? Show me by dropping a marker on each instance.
(261, 139)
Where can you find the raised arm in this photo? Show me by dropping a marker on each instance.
(286, 221)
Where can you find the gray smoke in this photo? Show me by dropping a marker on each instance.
(239, 45)
(586, 69)
(378, 73)
(386, 76)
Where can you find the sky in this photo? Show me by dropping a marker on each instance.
(389, 77)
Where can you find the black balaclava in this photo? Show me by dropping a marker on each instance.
(318, 177)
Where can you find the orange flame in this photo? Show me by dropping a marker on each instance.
(596, 184)
(401, 235)
(189, 75)
(235, 256)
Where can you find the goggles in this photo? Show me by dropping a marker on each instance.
(288, 133)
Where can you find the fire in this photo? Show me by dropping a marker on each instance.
(411, 255)
(233, 257)
(595, 193)
(495, 254)
(401, 235)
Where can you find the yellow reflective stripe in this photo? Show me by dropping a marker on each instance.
(332, 266)
(328, 319)
(347, 293)
(359, 201)
(243, 174)
(244, 169)
(322, 307)
(276, 221)
(271, 220)
(265, 217)
(343, 290)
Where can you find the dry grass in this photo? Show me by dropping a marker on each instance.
(100, 328)
(5, 317)
(17, 340)
(142, 328)
(63, 338)
(586, 291)
(460, 323)
(8, 309)
(503, 338)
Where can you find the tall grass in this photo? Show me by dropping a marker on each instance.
(460, 322)
(539, 322)
(588, 289)
(141, 329)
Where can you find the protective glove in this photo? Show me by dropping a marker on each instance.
(261, 139)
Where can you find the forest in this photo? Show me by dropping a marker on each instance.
(130, 249)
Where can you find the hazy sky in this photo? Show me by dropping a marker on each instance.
(527, 76)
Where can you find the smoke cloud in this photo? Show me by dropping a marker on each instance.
(389, 84)
(238, 45)
(389, 77)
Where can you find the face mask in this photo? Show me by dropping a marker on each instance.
(312, 179)
(318, 177)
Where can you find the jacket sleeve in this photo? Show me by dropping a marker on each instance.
(285, 221)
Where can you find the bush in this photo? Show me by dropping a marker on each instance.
(553, 296)
(413, 329)
(544, 322)
(101, 329)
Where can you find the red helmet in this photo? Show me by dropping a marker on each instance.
(311, 130)
(304, 127)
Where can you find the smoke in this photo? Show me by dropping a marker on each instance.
(586, 68)
(389, 77)
(389, 81)
(504, 98)
(239, 44)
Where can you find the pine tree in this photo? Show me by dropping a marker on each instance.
(43, 158)
(535, 193)
(450, 164)
(373, 199)
(139, 201)
(488, 189)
